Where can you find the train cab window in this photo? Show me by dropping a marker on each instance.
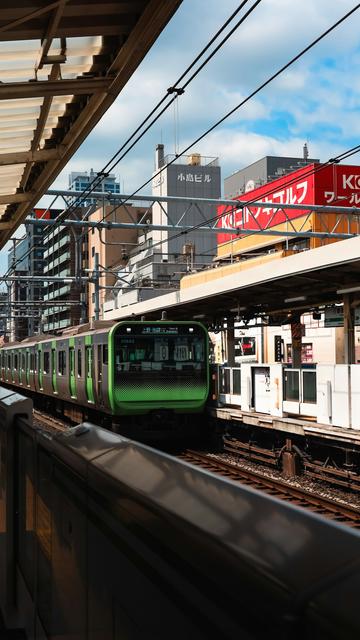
(79, 363)
(46, 362)
(62, 363)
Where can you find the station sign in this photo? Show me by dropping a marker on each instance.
(332, 185)
(334, 317)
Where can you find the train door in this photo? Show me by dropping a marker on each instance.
(40, 367)
(72, 381)
(99, 376)
(89, 368)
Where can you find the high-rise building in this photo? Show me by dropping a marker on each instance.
(163, 256)
(80, 180)
(26, 259)
(65, 255)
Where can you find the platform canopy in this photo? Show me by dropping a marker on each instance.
(62, 64)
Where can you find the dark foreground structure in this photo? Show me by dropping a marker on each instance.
(105, 538)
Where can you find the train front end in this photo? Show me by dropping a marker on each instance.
(158, 366)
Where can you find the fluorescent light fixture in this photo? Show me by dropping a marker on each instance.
(296, 299)
(237, 309)
(199, 316)
(348, 290)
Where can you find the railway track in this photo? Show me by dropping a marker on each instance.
(49, 423)
(321, 505)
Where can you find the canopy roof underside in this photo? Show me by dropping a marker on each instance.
(62, 64)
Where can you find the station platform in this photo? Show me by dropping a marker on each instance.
(290, 425)
(321, 401)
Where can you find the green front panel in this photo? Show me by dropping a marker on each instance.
(89, 370)
(53, 366)
(158, 365)
(72, 379)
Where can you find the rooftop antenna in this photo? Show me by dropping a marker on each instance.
(305, 151)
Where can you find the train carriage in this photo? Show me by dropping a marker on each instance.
(129, 368)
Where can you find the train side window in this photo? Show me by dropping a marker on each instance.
(105, 354)
(9, 361)
(62, 363)
(79, 363)
(46, 362)
(15, 361)
(31, 362)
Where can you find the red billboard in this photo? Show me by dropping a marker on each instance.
(332, 185)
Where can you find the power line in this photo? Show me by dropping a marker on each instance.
(174, 89)
(249, 97)
(241, 104)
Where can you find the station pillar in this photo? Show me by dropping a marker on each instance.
(349, 336)
(230, 342)
(296, 335)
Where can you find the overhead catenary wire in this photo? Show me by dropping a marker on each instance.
(174, 91)
(237, 107)
(263, 85)
(245, 100)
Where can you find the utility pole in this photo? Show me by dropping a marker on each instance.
(96, 286)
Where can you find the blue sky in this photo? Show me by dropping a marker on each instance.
(317, 100)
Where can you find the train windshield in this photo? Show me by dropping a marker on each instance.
(160, 349)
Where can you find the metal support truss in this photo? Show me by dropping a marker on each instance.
(326, 229)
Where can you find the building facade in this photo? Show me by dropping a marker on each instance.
(26, 259)
(162, 256)
(311, 185)
(65, 256)
(112, 248)
(263, 171)
(80, 181)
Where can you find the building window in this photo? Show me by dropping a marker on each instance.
(92, 251)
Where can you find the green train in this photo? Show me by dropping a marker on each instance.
(129, 368)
